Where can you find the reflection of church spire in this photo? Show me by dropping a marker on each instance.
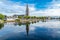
(27, 29)
(27, 10)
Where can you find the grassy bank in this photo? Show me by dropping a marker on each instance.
(1, 21)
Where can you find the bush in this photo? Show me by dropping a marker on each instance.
(17, 20)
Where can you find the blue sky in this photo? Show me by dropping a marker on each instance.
(36, 7)
(39, 4)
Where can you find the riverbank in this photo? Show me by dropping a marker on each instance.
(23, 20)
(29, 20)
(1, 21)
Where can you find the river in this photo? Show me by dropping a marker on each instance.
(41, 30)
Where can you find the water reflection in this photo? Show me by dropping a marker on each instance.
(43, 20)
(27, 26)
(38, 30)
(1, 25)
(18, 23)
(27, 23)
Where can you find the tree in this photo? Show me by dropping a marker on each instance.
(2, 16)
(20, 17)
(26, 17)
(34, 16)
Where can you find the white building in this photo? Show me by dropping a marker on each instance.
(14, 17)
(11, 18)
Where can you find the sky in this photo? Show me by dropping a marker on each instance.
(36, 7)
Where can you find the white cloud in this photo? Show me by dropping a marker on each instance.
(10, 8)
(52, 10)
(48, 24)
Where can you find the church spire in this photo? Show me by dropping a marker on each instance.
(27, 10)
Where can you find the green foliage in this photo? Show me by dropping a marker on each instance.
(32, 17)
(26, 17)
(43, 17)
(20, 17)
(2, 16)
(17, 20)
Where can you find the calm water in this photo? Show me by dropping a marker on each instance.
(42, 30)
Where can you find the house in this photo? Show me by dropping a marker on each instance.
(10, 18)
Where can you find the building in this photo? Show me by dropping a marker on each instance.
(14, 17)
(27, 10)
(9, 18)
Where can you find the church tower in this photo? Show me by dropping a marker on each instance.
(27, 10)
